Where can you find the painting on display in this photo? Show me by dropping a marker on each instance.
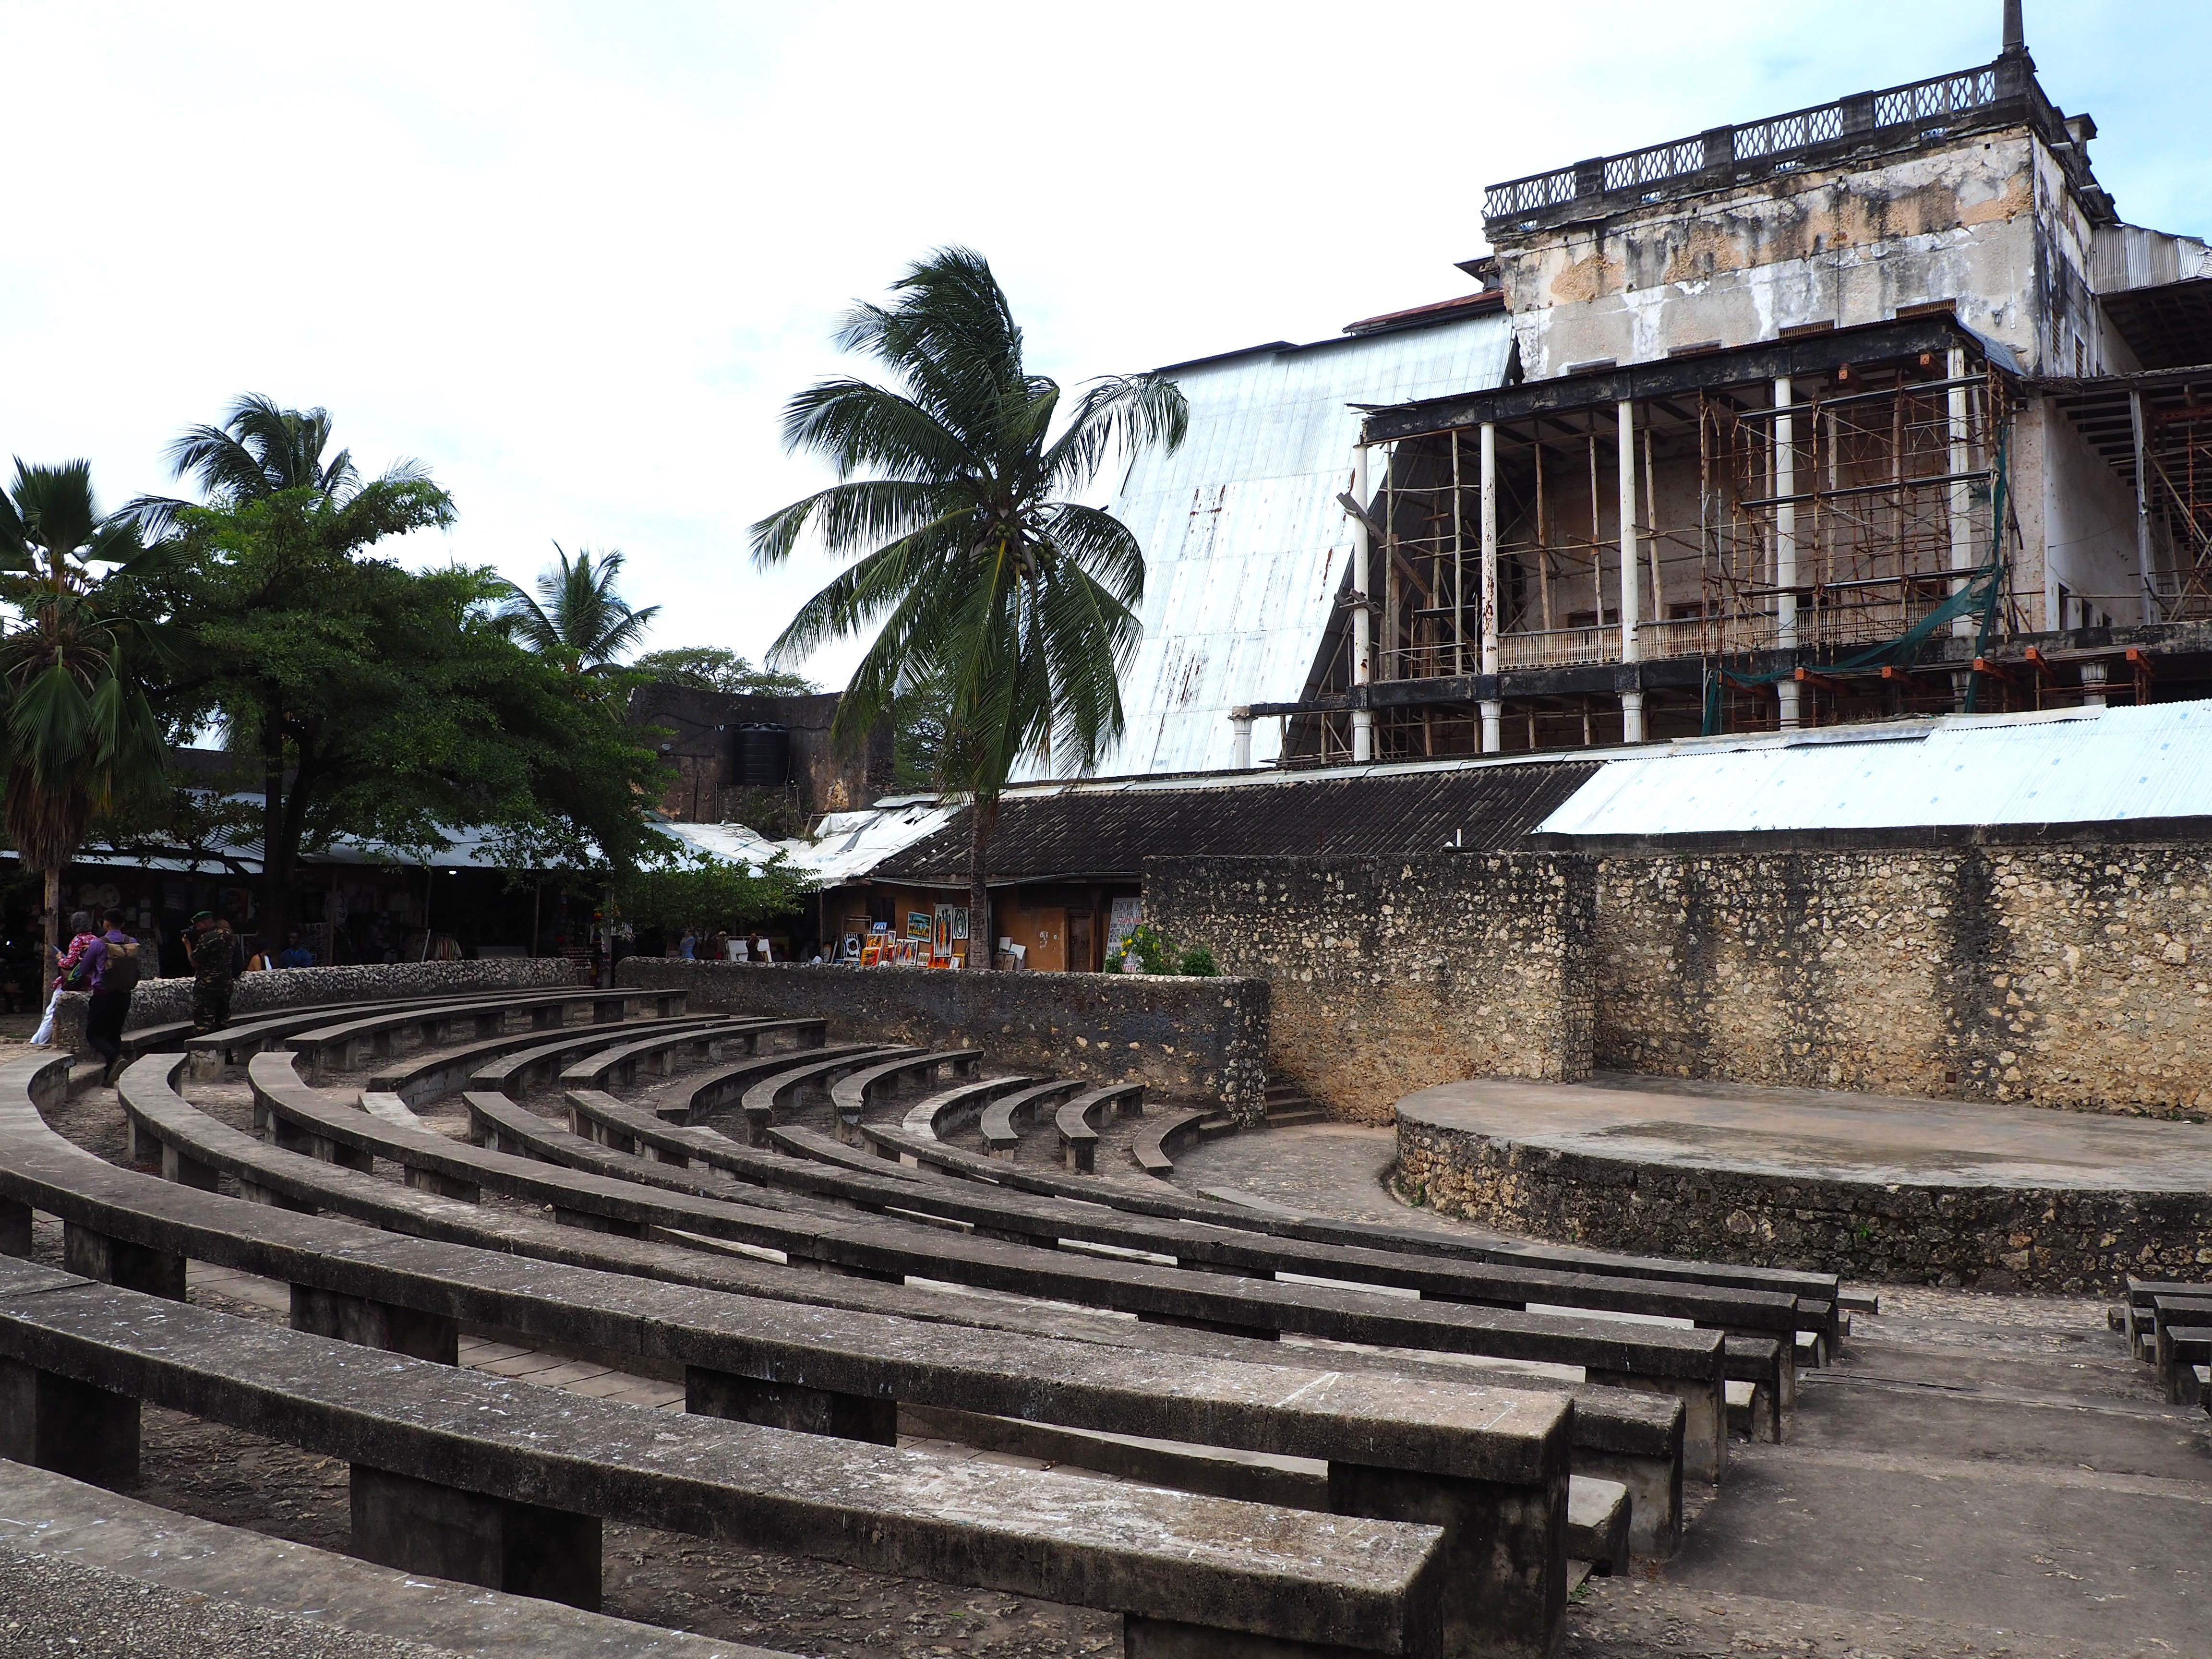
(1128, 912)
(919, 924)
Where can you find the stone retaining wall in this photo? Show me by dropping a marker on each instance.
(1201, 1040)
(159, 1001)
(1393, 974)
(2068, 1241)
(2054, 975)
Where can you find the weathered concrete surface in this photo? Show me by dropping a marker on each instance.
(1389, 973)
(1199, 1039)
(1872, 1186)
(87, 1564)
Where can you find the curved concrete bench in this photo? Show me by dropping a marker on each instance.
(543, 1470)
(1688, 1364)
(852, 1095)
(766, 1100)
(1003, 1118)
(1448, 1433)
(51, 1516)
(340, 1045)
(945, 1110)
(1815, 1293)
(216, 1049)
(427, 1076)
(540, 1064)
(1078, 1126)
(406, 1294)
(617, 1067)
(1153, 1151)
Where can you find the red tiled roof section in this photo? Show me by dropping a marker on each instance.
(1490, 299)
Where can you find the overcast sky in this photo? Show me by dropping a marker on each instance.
(575, 257)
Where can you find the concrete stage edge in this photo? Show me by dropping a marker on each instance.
(1874, 1186)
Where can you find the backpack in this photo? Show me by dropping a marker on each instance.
(124, 968)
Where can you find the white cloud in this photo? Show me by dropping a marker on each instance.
(575, 258)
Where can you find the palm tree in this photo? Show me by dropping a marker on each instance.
(259, 451)
(578, 620)
(1014, 606)
(80, 736)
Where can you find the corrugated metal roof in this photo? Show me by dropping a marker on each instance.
(2074, 767)
(1245, 544)
(846, 845)
(1097, 831)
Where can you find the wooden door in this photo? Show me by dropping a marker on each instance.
(1049, 954)
(1080, 960)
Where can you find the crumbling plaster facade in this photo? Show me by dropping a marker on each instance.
(1977, 224)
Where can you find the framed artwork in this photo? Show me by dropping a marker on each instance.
(849, 951)
(1128, 912)
(959, 922)
(918, 924)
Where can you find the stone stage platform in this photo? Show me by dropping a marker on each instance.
(1874, 1186)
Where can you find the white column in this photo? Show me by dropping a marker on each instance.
(1362, 655)
(1631, 601)
(1785, 542)
(1239, 724)
(2150, 607)
(1960, 496)
(1492, 709)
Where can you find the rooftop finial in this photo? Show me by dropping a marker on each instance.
(2016, 32)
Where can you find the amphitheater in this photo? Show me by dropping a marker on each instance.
(431, 1313)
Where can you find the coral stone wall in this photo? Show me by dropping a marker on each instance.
(2064, 975)
(2068, 1241)
(1202, 1040)
(1393, 974)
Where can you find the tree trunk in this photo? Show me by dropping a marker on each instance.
(277, 846)
(982, 939)
(49, 974)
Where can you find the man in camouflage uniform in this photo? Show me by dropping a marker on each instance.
(214, 970)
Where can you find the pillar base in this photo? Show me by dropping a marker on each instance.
(790, 1405)
(127, 1267)
(72, 1428)
(15, 1228)
(419, 1526)
(1493, 715)
(376, 1324)
(1631, 717)
(1505, 1577)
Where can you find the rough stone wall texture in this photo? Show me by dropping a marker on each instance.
(159, 1001)
(2063, 976)
(1995, 1237)
(1393, 974)
(1201, 1040)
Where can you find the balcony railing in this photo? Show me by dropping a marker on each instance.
(1771, 142)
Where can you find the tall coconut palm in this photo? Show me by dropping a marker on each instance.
(578, 620)
(259, 451)
(80, 734)
(1014, 605)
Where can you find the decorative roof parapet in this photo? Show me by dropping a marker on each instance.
(2004, 93)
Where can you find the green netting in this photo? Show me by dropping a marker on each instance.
(1983, 586)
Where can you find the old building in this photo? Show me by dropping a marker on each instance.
(1880, 406)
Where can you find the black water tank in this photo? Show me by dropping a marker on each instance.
(760, 756)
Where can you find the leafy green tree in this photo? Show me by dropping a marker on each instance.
(714, 668)
(379, 702)
(80, 735)
(977, 574)
(699, 890)
(578, 621)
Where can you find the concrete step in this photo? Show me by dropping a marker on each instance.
(1597, 1523)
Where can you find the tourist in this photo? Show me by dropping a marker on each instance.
(688, 946)
(117, 977)
(295, 953)
(215, 970)
(75, 969)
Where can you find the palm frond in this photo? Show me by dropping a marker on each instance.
(1119, 413)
